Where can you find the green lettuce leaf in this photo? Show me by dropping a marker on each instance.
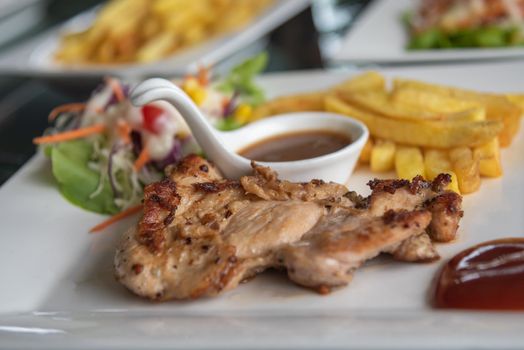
(241, 79)
(433, 38)
(227, 124)
(491, 36)
(76, 181)
(252, 66)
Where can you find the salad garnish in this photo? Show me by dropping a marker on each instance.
(69, 107)
(117, 217)
(104, 151)
(70, 135)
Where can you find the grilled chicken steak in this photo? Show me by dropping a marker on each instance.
(201, 234)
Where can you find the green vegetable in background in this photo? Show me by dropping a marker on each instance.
(76, 181)
(228, 124)
(436, 38)
(493, 36)
(241, 80)
(432, 38)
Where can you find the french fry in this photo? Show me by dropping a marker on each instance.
(146, 30)
(380, 103)
(314, 101)
(466, 166)
(427, 134)
(368, 81)
(365, 155)
(429, 101)
(472, 115)
(517, 100)
(460, 130)
(382, 156)
(498, 107)
(502, 109)
(156, 47)
(409, 162)
(489, 159)
(293, 103)
(437, 162)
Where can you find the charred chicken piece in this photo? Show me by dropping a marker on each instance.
(201, 234)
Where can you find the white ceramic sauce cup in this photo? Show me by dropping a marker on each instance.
(222, 147)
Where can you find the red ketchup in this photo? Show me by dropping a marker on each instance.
(488, 276)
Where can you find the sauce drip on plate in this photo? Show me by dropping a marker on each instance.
(296, 146)
(489, 276)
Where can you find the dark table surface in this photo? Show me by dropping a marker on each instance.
(300, 43)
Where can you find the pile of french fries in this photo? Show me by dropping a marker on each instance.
(419, 128)
(148, 30)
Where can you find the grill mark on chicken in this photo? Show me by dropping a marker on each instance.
(160, 203)
(440, 182)
(213, 187)
(266, 185)
(446, 210)
(358, 201)
(137, 268)
(201, 235)
(391, 217)
(445, 206)
(191, 166)
(416, 185)
(389, 186)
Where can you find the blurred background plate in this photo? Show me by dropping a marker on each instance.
(34, 57)
(379, 36)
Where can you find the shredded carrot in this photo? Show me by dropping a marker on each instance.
(115, 218)
(203, 75)
(124, 130)
(69, 107)
(225, 102)
(117, 88)
(70, 135)
(142, 159)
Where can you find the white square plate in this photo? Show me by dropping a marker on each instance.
(58, 290)
(35, 57)
(379, 36)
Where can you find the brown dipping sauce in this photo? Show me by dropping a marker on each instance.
(296, 146)
(489, 276)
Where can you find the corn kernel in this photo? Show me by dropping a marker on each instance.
(243, 113)
(198, 95)
(190, 84)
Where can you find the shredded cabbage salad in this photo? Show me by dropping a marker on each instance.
(104, 151)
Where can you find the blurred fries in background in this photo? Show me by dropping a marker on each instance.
(419, 128)
(147, 30)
